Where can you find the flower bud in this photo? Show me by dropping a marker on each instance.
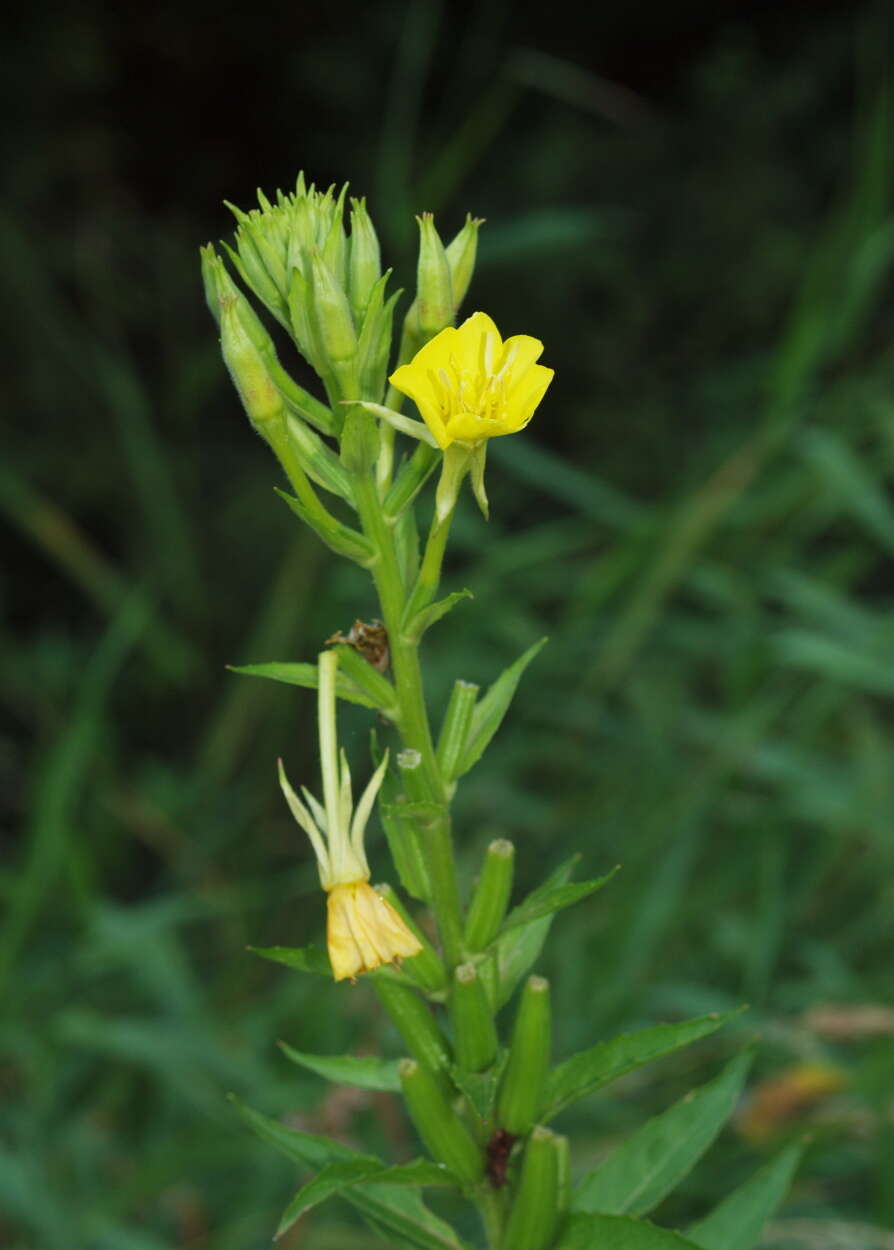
(248, 369)
(474, 1030)
(445, 1136)
(537, 1208)
(334, 326)
(461, 254)
(520, 1094)
(364, 260)
(434, 290)
(491, 897)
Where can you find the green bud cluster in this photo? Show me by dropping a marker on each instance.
(324, 286)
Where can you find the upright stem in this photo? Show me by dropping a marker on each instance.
(415, 729)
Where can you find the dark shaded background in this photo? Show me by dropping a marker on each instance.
(691, 207)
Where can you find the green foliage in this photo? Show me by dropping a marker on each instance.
(701, 527)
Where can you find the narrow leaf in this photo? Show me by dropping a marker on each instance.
(605, 1062)
(650, 1163)
(337, 1177)
(401, 1212)
(613, 1232)
(305, 675)
(737, 1223)
(546, 901)
(301, 958)
(364, 1072)
(429, 616)
(492, 707)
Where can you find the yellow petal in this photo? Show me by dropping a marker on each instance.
(523, 399)
(519, 353)
(364, 931)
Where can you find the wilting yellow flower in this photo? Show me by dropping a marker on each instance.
(364, 930)
(469, 385)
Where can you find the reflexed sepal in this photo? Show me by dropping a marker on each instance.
(521, 1091)
(474, 1030)
(340, 538)
(536, 1209)
(444, 1134)
(491, 897)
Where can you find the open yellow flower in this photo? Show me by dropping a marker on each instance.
(469, 385)
(363, 929)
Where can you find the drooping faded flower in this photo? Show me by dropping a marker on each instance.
(363, 929)
(469, 385)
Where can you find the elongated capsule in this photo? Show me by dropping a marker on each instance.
(521, 1090)
(474, 1029)
(445, 1136)
(415, 1023)
(491, 897)
(536, 1210)
(455, 729)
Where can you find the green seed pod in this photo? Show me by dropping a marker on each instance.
(364, 260)
(455, 729)
(521, 1090)
(445, 1136)
(491, 897)
(474, 1030)
(434, 290)
(461, 253)
(426, 968)
(536, 1211)
(415, 1023)
(248, 369)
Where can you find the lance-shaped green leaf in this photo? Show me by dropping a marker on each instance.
(338, 537)
(301, 958)
(545, 901)
(737, 1223)
(335, 1178)
(606, 1061)
(361, 1071)
(479, 1088)
(492, 707)
(399, 1211)
(515, 952)
(653, 1160)
(319, 463)
(428, 616)
(301, 674)
(618, 1232)
(366, 678)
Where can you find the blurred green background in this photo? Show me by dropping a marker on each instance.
(692, 209)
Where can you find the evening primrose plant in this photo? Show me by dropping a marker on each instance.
(479, 1086)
